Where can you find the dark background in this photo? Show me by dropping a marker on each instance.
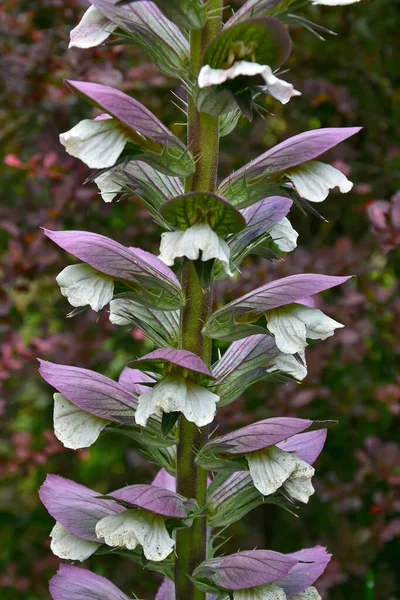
(350, 79)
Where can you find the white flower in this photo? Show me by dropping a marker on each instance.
(278, 88)
(309, 594)
(334, 3)
(70, 547)
(83, 285)
(74, 427)
(299, 485)
(174, 394)
(284, 236)
(287, 363)
(92, 30)
(190, 242)
(292, 324)
(261, 592)
(130, 528)
(98, 143)
(314, 179)
(109, 184)
(272, 467)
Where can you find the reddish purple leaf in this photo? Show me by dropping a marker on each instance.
(164, 480)
(155, 499)
(280, 292)
(92, 392)
(262, 434)
(293, 151)
(312, 563)
(245, 569)
(181, 358)
(307, 446)
(133, 380)
(245, 354)
(75, 506)
(73, 583)
(107, 256)
(264, 214)
(131, 113)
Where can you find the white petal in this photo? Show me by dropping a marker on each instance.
(116, 316)
(109, 184)
(334, 2)
(292, 324)
(147, 406)
(309, 594)
(154, 537)
(284, 236)
(313, 180)
(173, 394)
(299, 484)
(299, 489)
(289, 331)
(83, 285)
(270, 468)
(92, 29)
(97, 143)
(132, 527)
(286, 363)
(200, 405)
(278, 88)
(261, 592)
(68, 546)
(319, 326)
(74, 427)
(192, 241)
(209, 77)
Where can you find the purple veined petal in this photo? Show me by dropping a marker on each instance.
(180, 358)
(75, 506)
(155, 499)
(92, 392)
(251, 9)
(134, 380)
(244, 354)
(260, 218)
(281, 292)
(164, 480)
(309, 301)
(307, 446)
(292, 152)
(266, 213)
(128, 111)
(246, 569)
(158, 36)
(262, 434)
(312, 563)
(114, 259)
(166, 591)
(73, 583)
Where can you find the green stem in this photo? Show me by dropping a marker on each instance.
(203, 142)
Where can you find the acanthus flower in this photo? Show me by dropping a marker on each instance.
(86, 520)
(198, 240)
(277, 453)
(254, 74)
(175, 394)
(294, 323)
(82, 285)
(313, 180)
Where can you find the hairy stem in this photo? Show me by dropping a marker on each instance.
(203, 142)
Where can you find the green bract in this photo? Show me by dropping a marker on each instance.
(187, 210)
(264, 41)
